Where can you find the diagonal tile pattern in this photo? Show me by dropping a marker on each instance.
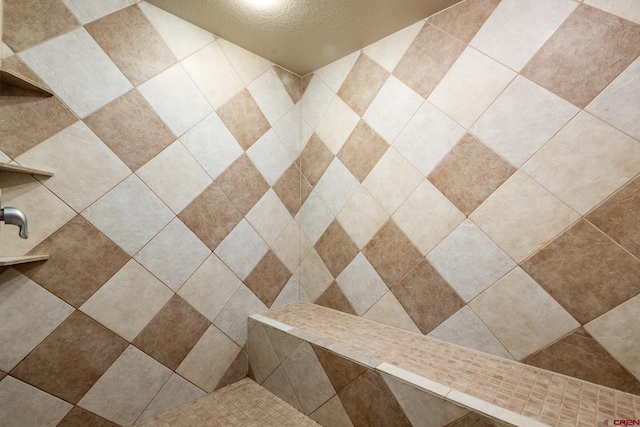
(362, 84)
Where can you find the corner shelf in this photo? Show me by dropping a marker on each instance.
(5, 167)
(14, 260)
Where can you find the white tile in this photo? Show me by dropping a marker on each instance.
(128, 386)
(465, 329)
(427, 138)
(314, 217)
(210, 287)
(362, 217)
(294, 132)
(336, 186)
(315, 101)
(175, 177)
(392, 109)
(173, 255)
(28, 314)
(291, 245)
(337, 124)
(78, 71)
(523, 118)
(232, 320)
(360, 283)
(389, 51)
(518, 28)
(242, 249)
(619, 103)
(392, 180)
(24, 405)
(628, 9)
(271, 96)
(88, 10)
(212, 145)
(315, 278)
(472, 83)
(130, 215)
(585, 162)
(289, 294)
(269, 217)
(469, 261)
(389, 311)
(176, 99)
(427, 217)
(249, 66)
(270, 156)
(176, 391)
(182, 37)
(411, 378)
(334, 74)
(128, 301)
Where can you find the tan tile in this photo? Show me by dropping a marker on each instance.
(617, 217)
(70, 360)
(470, 173)
(340, 370)
(315, 159)
(79, 417)
(391, 253)
(474, 420)
(465, 18)
(262, 357)
(315, 278)
(176, 392)
(362, 217)
(362, 84)
(28, 23)
(427, 297)
(428, 59)
(236, 371)
(268, 278)
(336, 248)
(390, 50)
(362, 150)
(131, 118)
(244, 119)
(572, 267)
(243, 184)
(291, 246)
(283, 343)
(292, 189)
(24, 405)
(335, 299)
(132, 43)
(248, 65)
(332, 413)
(590, 42)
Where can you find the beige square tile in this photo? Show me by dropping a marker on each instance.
(128, 301)
(585, 162)
(390, 50)
(268, 278)
(315, 277)
(362, 84)
(270, 157)
(471, 85)
(362, 217)
(334, 74)
(271, 96)
(332, 413)
(89, 11)
(242, 249)
(336, 186)
(269, 217)
(361, 284)
(521, 216)
(627, 9)
(210, 287)
(78, 178)
(292, 83)
(337, 124)
(617, 330)
(464, 19)
(175, 176)
(315, 101)
(389, 311)
(24, 405)
(427, 217)
(314, 217)
(291, 245)
(278, 384)
(243, 184)
(242, 116)
(293, 131)
(362, 150)
(249, 66)
(176, 391)
(535, 319)
(28, 315)
(290, 293)
(315, 159)
(262, 356)
(517, 29)
(232, 320)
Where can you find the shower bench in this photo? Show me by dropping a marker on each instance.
(330, 364)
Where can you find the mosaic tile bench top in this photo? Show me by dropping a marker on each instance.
(502, 389)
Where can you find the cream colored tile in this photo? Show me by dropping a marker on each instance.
(390, 50)
(389, 311)
(360, 283)
(294, 132)
(232, 320)
(413, 379)
(278, 384)
(362, 217)
(334, 74)
(73, 65)
(392, 109)
(282, 342)
(5, 51)
(28, 314)
(585, 162)
(128, 301)
(521, 216)
(80, 176)
(128, 386)
(619, 103)
(87, 11)
(471, 85)
(176, 391)
(45, 213)
(242, 249)
(466, 329)
(270, 157)
(518, 28)
(175, 177)
(173, 255)
(289, 294)
(262, 357)
(427, 217)
(337, 124)
(271, 96)
(535, 318)
(315, 101)
(249, 66)
(210, 287)
(314, 217)
(427, 138)
(332, 414)
(336, 186)
(24, 405)
(269, 217)
(392, 180)
(131, 199)
(628, 9)
(522, 120)
(618, 331)
(182, 37)
(290, 245)
(315, 278)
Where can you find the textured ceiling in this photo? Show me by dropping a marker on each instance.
(303, 35)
